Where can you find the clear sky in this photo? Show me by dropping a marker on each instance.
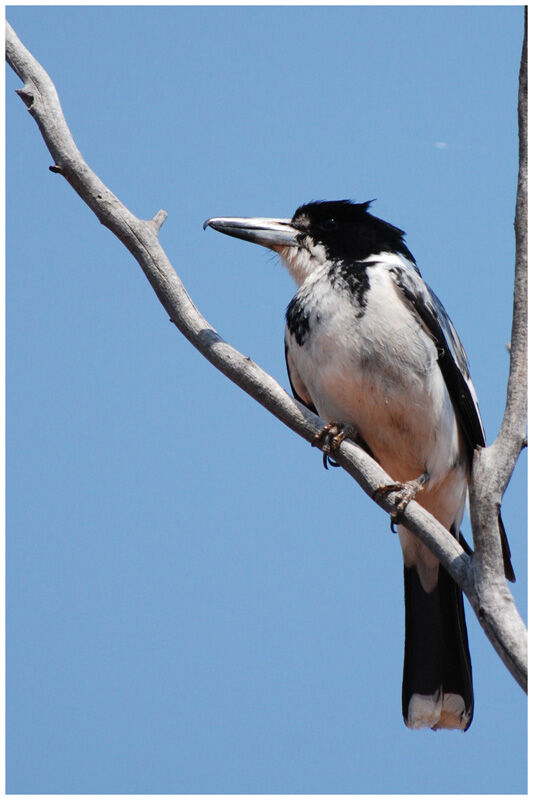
(193, 604)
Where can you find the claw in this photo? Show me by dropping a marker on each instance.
(330, 438)
(406, 492)
(328, 461)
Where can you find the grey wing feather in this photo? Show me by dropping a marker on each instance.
(458, 353)
(452, 358)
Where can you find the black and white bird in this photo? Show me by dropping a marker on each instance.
(370, 348)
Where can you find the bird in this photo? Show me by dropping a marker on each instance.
(370, 349)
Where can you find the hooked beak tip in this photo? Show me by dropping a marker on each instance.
(272, 233)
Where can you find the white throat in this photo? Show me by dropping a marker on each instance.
(303, 260)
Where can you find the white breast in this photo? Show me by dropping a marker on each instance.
(378, 371)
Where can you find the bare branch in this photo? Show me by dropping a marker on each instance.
(494, 465)
(159, 219)
(511, 438)
(498, 615)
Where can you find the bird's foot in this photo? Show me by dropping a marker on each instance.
(406, 492)
(330, 438)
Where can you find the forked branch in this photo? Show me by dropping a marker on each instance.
(500, 618)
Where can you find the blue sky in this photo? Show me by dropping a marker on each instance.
(193, 604)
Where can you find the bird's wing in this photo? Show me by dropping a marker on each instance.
(298, 389)
(451, 355)
(454, 367)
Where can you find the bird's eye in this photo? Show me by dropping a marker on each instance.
(329, 224)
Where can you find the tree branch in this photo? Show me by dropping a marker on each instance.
(499, 617)
(494, 465)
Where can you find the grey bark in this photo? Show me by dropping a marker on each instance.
(480, 576)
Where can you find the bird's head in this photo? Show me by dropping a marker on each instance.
(334, 231)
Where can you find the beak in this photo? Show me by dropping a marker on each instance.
(271, 233)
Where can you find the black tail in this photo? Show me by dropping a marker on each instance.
(437, 673)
